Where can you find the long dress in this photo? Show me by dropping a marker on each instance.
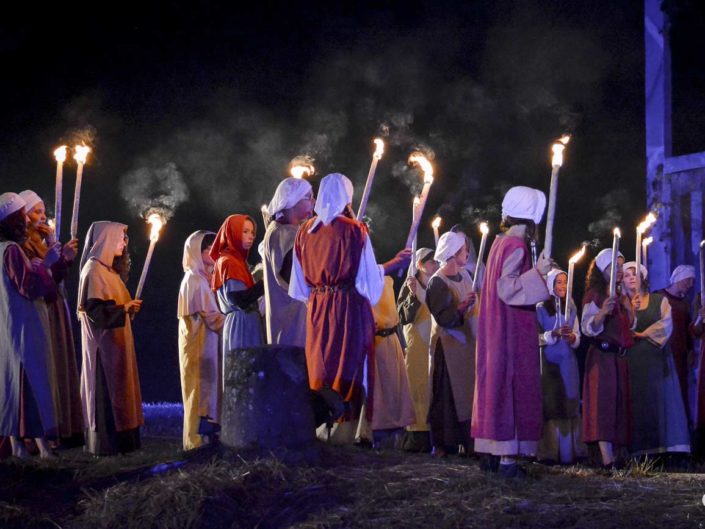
(452, 350)
(285, 316)
(560, 387)
(200, 324)
(681, 344)
(243, 326)
(26, 406)
(507, 417)
(110, 386)
(416, 320)
(63, 363)
(393, 405)
(335, 270)
(606, 393)
(659, 422)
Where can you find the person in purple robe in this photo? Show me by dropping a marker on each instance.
(506, 416)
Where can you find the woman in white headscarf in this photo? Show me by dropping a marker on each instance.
(62, 359)
(659, 422)
(452, 350)
(200, 325)
(110, 386)
(417, 321)
(285, 316)
(507, 419)
(335, 271)
(26, 407)
(560, 377)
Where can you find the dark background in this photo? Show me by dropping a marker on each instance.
(198, 107)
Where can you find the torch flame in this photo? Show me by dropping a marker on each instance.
(647, 241)
(436, 223)
(420, 159)
(301, 171)
(379, 148)
(157, 221)
(558, 148)
(51, 223)
(577, 256)
(81, 153)
(617, 233)
(564, 139)
(646, 223)
(60, 154)
(484, 228)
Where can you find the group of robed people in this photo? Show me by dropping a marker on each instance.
(455, 363)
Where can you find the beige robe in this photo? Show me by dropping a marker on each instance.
(392, 406)
(115, 347)
(418, 337)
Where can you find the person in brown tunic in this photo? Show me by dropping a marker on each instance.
(63, 364)
(607, 322)
(335, 272)
(110, 386)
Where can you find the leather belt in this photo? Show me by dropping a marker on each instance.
(386, 332)
(607, 347)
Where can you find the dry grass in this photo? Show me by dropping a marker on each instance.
(162, 487)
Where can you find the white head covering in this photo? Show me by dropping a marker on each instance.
(523, 202)
(30, 198)
(289, 192)
(604, 258)
(632, 264)
(101, 240)
(195, 294)
(335, 192)
(422, 253)
(551, 280)
(9, 204)
(448, 245)
(682, 272)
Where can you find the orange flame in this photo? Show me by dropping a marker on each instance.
(379, 149)
(156, 221)
(60, 154)
(484, 228)
(81, 153)
(436, 223)
(558, 148)
(646, 223)
(578, 256)
(301, 171)
(420, 159)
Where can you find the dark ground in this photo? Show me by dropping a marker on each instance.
(162, 487)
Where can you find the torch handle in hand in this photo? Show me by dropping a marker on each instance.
(368, 188)
(478, 266)
(551, 214)
(76, 202)
(145, 268)
(569, 292)
(58, 191)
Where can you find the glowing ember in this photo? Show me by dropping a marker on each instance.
(81, 153)
(60, 154)
(156, 221)
(436, 223)
(379, 149)
(420, 159)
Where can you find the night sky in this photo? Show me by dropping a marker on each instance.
(200, 106)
